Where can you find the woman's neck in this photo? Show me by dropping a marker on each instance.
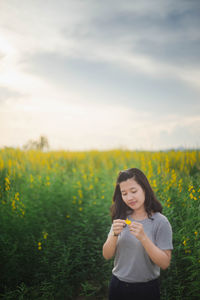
(139, 215)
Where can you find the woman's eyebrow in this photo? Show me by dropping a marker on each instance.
(131, 188)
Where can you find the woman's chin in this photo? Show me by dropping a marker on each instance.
(132, 206)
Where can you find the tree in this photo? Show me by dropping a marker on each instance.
(41, 144)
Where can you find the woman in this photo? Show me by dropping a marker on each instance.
(140, 238)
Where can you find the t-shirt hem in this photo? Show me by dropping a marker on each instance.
(131, 281)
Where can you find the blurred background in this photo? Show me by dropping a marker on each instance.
(89, 88)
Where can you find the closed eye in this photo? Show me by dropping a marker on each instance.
(133, 192)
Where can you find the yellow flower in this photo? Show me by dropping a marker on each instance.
(190, 188)
(13, 204)
(80, 193)
(7, 184)
(7, 180)
(80, 208)
(84, 176)
(17, 196)
(45, 234)
(128, 222)
(154, 183)
(196, 233)
(31, 178)
(184, 242)
(90, 187)
(39, 246)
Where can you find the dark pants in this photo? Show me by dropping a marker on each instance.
(120, 290)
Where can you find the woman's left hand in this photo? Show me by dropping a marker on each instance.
(137, 230)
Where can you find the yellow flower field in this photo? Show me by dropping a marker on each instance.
(55, 219)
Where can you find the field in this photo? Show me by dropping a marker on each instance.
(54, 212)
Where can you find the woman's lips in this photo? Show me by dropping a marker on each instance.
(132, 202)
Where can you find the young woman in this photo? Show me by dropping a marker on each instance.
(140, 238)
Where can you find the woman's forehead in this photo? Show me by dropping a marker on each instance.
(129, 183)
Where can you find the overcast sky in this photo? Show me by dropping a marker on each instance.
(92, 74)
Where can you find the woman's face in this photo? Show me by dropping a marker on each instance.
(132, 194)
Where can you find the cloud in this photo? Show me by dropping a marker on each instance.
(101, 82)
(7, 94)
(185, 136)
(97, 126)
(79, 127)
(117, 72)
(138, 37)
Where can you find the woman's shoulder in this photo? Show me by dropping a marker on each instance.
(158, 217)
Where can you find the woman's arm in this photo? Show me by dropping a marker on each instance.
(159, 257)
(109, 247)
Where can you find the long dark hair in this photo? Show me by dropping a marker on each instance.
(119, 210)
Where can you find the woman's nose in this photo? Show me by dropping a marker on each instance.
(129, 196)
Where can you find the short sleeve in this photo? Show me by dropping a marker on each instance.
(163, 238)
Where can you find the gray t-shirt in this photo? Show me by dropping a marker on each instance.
(132, 263)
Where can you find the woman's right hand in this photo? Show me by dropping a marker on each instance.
(118, 226)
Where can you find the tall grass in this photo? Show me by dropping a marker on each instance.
(54, 212)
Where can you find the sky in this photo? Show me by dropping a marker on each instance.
(91, 74)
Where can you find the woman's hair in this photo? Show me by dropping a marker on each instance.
(119, 210)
